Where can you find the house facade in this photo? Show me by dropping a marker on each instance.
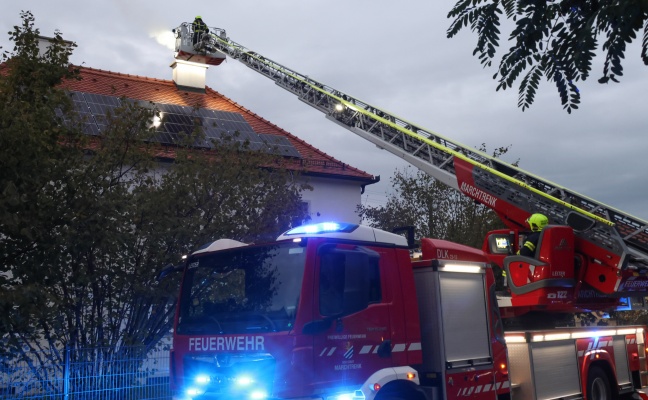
(337, 186)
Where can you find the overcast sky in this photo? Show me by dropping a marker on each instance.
(392, 54)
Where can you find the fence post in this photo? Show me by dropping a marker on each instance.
(66, 374)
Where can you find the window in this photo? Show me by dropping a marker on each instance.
(242, 290)
(499, 243)
(349, 280)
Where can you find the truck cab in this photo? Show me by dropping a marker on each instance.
(320, 311)
(337, 311)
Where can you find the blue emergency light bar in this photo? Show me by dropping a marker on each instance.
(322, 227)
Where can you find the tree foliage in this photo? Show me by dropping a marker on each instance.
(555, 40)
(87, 223)
(434, 209)
(630, 317)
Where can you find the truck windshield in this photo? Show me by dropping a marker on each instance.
(243, 290)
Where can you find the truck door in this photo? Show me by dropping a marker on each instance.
(455, 331)
(350, 296)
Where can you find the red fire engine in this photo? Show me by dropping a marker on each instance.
(341, 311)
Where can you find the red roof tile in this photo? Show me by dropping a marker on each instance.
(108, 83)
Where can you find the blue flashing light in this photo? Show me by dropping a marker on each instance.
(258, 395)
(244, 381)
(356, 395)
(322, 227)
(193, 392)
(199, 386)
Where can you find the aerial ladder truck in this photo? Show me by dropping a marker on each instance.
(589, 257)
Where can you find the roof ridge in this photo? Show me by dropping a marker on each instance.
(125, 75)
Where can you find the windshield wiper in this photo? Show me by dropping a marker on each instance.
(270, 326)
(214, 319)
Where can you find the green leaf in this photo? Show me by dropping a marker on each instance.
(567, 30)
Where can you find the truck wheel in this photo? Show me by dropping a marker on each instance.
(413, 396)
(598, 385)
(400, 395)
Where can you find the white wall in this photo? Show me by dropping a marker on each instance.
(333, 200)
(330, 200)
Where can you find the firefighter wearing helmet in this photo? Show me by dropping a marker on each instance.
(199, 29)
(536, 223)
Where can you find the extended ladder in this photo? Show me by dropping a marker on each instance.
(603, 226)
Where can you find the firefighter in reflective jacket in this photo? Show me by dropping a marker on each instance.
(536, 223)
(199, 29)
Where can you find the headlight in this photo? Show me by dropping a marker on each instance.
(195, 391)
(244, 386)
(199, 386)
(356, 395)
(258, 395)
(202, 379)
(244, 380)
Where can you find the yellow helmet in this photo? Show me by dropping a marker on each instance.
(537, 221)
(198, 17)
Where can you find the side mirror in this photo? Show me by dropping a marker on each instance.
(409, 230)
(167, 270)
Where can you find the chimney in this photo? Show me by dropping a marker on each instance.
(45, 42)
(189, 75)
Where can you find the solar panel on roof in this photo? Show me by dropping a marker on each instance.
(220, 115)
(181, 120)
(241, 126)
(100, 110)
(207, 113)
(272, 139)
(176, 128)
(163, 137)
(91, 129)
(101, 99)
(81, 107)
(281, 145)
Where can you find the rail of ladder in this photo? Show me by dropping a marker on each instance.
(622, 233)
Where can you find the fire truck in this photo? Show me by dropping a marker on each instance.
(341, 311)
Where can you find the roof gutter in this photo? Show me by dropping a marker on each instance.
(375, 180)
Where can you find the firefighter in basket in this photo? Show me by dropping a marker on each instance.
(199, 29)
(536, 223)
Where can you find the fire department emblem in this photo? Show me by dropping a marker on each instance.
(348, 353)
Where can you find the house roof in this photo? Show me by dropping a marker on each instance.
(313, 161)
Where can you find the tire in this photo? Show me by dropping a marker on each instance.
(404, 394)
(598, 385)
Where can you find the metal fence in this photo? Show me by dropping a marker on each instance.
(87, 374)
